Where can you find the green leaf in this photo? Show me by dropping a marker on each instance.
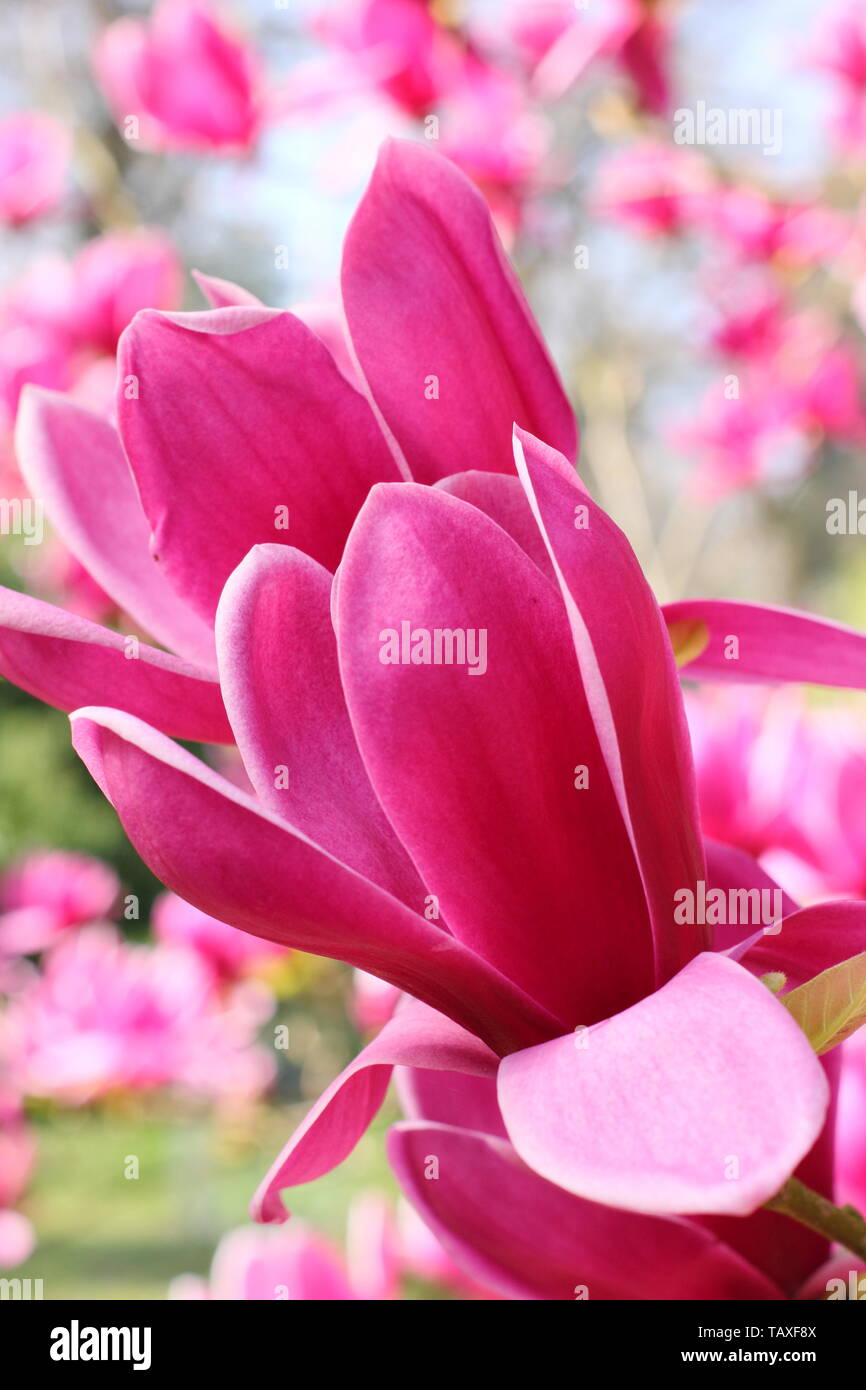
(832, 1006)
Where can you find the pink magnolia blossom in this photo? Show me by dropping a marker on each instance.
(838, 50)
(632, 34)
(296, 1263)
(47, 893)
(255, 1264)
(104, 1015)
(90, 299)
(184, 77)
(229, 952)
(800, 384)
(759, 228)
(34, 162)
(400, 46)
(784, 783)
(653, 188)
(17, 1239)
(851, 1124)
(570, 1049)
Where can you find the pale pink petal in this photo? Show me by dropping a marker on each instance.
(73, 462)
(702, 1098)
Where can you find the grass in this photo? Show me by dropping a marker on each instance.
(103, 1235)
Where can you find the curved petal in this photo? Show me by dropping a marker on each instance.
(215, 846)
(702, 1098)
(444, 1097)
(440, 326)
(629, 675)
(415, 1037)
(72, 460)
(472, 755)
(224, 294)
(243, 430)
(731, 868)
(281, 683)
(810, 941)
(501, 497)
(67, 661)
(754, 642)
(528, 1239)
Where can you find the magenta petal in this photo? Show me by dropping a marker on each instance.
(243, 431)
(469, 1102)
(731, 868)
(629, 674)
(476, 772)
(281, 683)
(415, 1037)
(501, 497)
(441, 328)
(218, 848)
(73, 461)
(68, 661)
(704, 1097)
(810, 941)
(772, 644)
(528, 1239)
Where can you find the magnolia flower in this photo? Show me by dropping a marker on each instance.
(469, 762)
(47, 893)
(104, 1015)
(630, 33)
(182, 80)
(653, 188)
(838, 49)
(785, 783)
(229, 953)
(34, 161)
(291, 1263)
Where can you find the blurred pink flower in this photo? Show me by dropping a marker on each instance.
(17, 1239)
(851, 1124)
(632, 34)
(181, 80)
(653, 188)
(34, 165)
(116, 275)
(798, 385)
(838, 49)
(104, 1015)
(400, 46)
(252, 1264)
(45, 894)
(229, 952)
(373, 1001)
(760, 228)
(298, 1264)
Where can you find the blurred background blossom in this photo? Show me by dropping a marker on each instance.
(706, 304)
